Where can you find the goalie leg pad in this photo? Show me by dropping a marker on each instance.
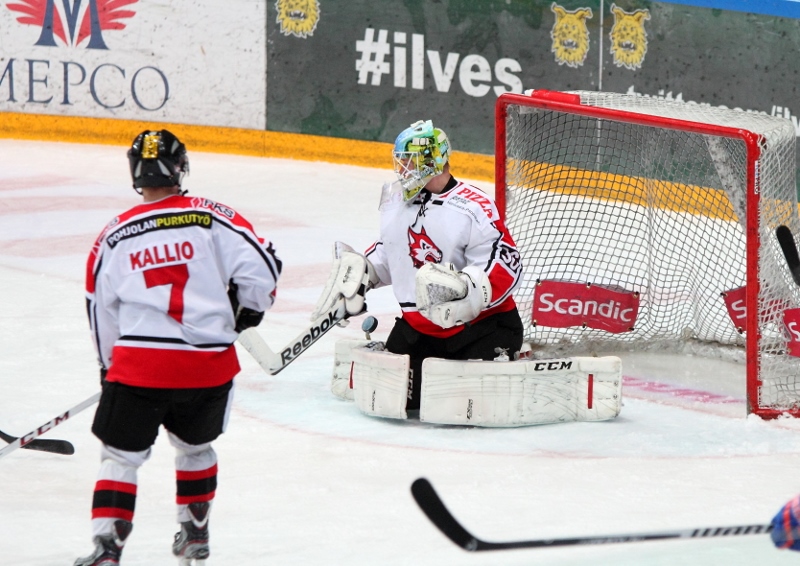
(380, 383)
(506, 394)
(342, 382)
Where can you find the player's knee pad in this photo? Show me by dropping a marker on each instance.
(125, 458)
(525, 392)
(183, 446)
(192, 457)
(380, 382)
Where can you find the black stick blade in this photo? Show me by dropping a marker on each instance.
(789, 248)
(44, 444)
(430, 503)
(51, 445)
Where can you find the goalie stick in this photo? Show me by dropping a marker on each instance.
(789, 248)
(27, 439)
(273, 362)
(44, 444)
(430, 503)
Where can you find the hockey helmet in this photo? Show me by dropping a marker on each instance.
(157, 159)
(420, 153)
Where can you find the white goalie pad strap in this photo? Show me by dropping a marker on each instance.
(506, 394)
(341, 382)
(380, 383)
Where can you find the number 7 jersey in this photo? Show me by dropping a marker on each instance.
(157, 291)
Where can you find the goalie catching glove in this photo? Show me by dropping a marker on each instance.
(448, 297)
(352, 275)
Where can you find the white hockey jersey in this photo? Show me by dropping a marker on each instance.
(462, 226)
(156, 289)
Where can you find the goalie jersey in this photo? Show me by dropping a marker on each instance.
(460, 225)
(156, 288)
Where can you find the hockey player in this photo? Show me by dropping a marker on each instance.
(170, 283)
(786, 525)
(447, 254)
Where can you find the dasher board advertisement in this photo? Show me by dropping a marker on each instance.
(366, 69)
(186, 62)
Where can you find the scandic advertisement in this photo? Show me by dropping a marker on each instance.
(561, 304)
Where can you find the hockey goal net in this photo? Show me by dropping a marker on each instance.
(650, 224)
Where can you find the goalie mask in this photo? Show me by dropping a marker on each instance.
(157, 159)
(420, 153)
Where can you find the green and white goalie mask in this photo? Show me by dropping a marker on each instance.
(420, 153)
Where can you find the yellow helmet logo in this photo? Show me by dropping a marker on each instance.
(298, 17)
(570, 35)
(150, 146)
(628, 37)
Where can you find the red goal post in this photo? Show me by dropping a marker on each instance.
(649, 224)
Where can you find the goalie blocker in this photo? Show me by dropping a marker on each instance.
(480, 393)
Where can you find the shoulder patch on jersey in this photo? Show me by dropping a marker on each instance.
(225, 211)
(472, 201)
(158, 222)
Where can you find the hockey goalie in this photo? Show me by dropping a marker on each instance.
(454, 354)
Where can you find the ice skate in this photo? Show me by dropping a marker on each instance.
(191, 542)
(108, 548)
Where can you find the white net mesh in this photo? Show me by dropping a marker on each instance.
(659, 211)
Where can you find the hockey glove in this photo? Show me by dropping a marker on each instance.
(448, 297)
(243, 317)
(247, 318)
(352, 275)
(786, 526)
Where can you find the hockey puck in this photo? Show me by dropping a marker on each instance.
(370, 324)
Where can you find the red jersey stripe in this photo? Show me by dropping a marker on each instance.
(178, 369)
(425, 326)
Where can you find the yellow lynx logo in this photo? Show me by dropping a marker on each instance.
(570, 35)
(628, 37)
(298, 17)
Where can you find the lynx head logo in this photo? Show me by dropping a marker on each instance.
(71, 22)
(628, 37)
(298, 17)
(570, 35)
(422, 249)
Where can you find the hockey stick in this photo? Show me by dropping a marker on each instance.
(789, 248)
(272, 362)
(430, 503)
(25, 440)
(44, 444)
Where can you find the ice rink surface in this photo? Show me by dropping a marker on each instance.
(304, 478)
